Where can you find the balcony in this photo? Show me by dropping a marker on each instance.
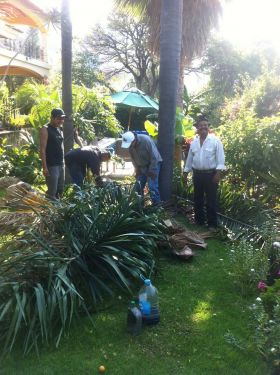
(23, 39)
(29, 50)
(26, 56)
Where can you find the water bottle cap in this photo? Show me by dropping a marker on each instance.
(147, 282)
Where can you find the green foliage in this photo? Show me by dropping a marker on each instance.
(252, 152)
(267, 330)
(236, 202)
(248, 265)
(183, 126)
(204, 328)
(22, 162)
(7, 106)
(270, 296)
(259, 98)
(37, 100)
(85, 69)
(93, 112)
(231, 73)
(70, 258)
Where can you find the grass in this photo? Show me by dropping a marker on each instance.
(204, 329)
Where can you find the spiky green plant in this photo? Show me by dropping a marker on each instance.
(79, 249)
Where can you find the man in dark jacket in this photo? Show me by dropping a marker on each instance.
(79, 160)
(52, 154)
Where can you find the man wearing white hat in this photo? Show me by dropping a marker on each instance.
(146, 160)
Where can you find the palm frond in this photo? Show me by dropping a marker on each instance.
(199, 17)
(69, 257)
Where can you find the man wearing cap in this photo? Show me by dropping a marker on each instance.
(79, 160)
(52, 154)
(146, 161)
(206, 160)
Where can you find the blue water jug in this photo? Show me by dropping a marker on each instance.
(148, 303)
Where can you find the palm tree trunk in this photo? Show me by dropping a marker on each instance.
(170, 54)
(66, 61)
(178, 146)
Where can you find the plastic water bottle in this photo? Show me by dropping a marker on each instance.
(134, 319)
(148, 302)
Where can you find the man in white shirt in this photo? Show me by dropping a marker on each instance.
(206, 160)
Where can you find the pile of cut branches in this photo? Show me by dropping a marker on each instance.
(67, 255)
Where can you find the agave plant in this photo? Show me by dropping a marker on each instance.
(76, 252)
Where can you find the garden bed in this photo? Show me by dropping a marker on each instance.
(204, 328)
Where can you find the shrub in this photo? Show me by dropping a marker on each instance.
(267, 330)
(270, 297)
(93, 111)
(22, 162)
(248, 265)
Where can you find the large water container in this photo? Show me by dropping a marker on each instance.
(148, 303)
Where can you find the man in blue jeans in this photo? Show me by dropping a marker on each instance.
(146, 161)
(79, 160)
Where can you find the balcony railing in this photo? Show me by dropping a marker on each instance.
(29, 50)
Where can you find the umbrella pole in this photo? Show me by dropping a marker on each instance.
(129, 118)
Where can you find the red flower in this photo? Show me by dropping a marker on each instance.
(262, 285)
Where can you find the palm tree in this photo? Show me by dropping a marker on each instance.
(66, 62)
(170, 54)
(194, 18)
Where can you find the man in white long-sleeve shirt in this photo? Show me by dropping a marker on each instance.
(206, 160)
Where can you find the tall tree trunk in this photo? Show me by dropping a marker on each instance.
(66, 62)
(170, 53)
(178, 145)
(181, 85)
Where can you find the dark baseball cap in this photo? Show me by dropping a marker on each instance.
(57, 112)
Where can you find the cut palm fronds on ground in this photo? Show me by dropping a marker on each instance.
(187, 238)
(14, 222)
(182, 240)
(21, 207)
(8, 181)
(78, 250)
(185, 254)
(22, 194)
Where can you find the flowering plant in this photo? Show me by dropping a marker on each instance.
(248, 265)
(262, 285)
(267, 330)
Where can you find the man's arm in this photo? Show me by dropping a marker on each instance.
(151, 148)
(43, 147)
(188, 165)
(77, 139)
(94, 162)
(220, 158)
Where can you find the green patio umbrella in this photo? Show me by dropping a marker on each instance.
(134, 98)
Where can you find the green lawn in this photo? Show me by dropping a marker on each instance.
(204, 329)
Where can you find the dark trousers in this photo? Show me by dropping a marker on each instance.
(205, 188)
(77, 173)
